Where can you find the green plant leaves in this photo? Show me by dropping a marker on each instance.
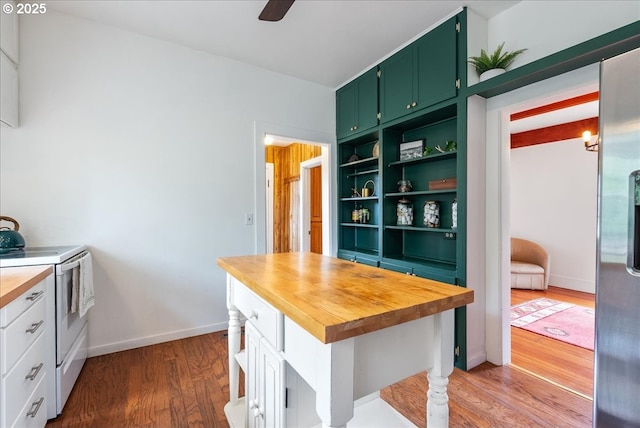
(497, 59)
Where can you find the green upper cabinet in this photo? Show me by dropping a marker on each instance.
(396, 85)
(357, 105)
(422, 74)
(437, 56)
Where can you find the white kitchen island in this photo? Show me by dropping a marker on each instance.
(322, 334)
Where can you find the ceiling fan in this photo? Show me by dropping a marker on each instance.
(275, 10)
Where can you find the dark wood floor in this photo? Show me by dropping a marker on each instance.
(184, 383)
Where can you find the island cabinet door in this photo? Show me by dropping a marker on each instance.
(252, 346)
(265, 381)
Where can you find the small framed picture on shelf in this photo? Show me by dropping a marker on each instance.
(411, 149)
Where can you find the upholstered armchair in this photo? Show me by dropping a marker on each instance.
(529, 265)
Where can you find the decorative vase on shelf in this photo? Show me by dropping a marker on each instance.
(491, 73)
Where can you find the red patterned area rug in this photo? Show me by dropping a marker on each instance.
(559, 320)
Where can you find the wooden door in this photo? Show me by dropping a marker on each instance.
(315, 210)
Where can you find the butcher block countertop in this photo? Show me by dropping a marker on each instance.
(14, 281)
(335, 299)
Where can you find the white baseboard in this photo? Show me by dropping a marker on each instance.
(570, 283)
(476, 359)
(125, 345)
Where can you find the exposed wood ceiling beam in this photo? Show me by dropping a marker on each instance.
(565, 131)
(582, 99)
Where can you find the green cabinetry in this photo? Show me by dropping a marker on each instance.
(431, 252)
(419, 101)
(422, 74)
(359, 215)
(357, 105)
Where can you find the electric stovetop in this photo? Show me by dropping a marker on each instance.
(33, 256)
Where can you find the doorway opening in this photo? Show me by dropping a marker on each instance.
(284, 222)
(563, 214)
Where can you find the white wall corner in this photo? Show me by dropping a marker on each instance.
(477, 31)
(476, 131)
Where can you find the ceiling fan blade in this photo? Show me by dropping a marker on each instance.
(275, 10)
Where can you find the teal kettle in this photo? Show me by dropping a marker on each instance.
(10, 239)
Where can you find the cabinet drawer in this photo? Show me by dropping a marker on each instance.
(34, 412)
(22, 379)
(21, 304)
(20, 334)
(267, 320)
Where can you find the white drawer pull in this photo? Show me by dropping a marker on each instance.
(35, 407)
(253, 315)
(34, 372)
(33, 296)
(34, 327)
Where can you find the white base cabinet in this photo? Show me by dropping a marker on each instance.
(265, 381)
(23, 388)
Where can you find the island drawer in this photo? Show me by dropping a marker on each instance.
(265, 318)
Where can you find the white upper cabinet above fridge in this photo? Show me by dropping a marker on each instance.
(8, 91)
(9, 30)
(9, 63)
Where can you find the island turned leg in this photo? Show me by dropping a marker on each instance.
(234, 347)
(438, 375)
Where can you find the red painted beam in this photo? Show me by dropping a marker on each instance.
(550, 134)
(582, 99)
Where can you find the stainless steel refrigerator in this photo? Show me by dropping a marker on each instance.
(617, 344)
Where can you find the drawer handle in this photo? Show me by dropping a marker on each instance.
(35, 407)
(253, 315)
(34, 372)
(34, 327)
(33, 296)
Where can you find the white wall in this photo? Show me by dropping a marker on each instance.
(545, 27)
(554, 203)
(144, 151)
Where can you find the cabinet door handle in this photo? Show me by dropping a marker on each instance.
(35, 407)
(33, 296)
(253, 404)
(34, 327)
(413, 104)
(355, 127)
(34, 372)
(408, 106)
(253, 315)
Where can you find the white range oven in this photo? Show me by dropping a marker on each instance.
(66, 332)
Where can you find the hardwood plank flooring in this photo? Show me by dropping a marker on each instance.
(184, 383)
(568, 365)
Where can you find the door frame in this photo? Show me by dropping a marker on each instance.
(329, 185)
(269, 205)
(305, 201)
(498, 202)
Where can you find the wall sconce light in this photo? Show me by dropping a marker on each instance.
(588, 144)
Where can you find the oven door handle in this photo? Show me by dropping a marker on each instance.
(72, 264)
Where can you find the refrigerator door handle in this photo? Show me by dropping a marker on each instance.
(633, 252)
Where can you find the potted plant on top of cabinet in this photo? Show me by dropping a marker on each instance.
(488, 66)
